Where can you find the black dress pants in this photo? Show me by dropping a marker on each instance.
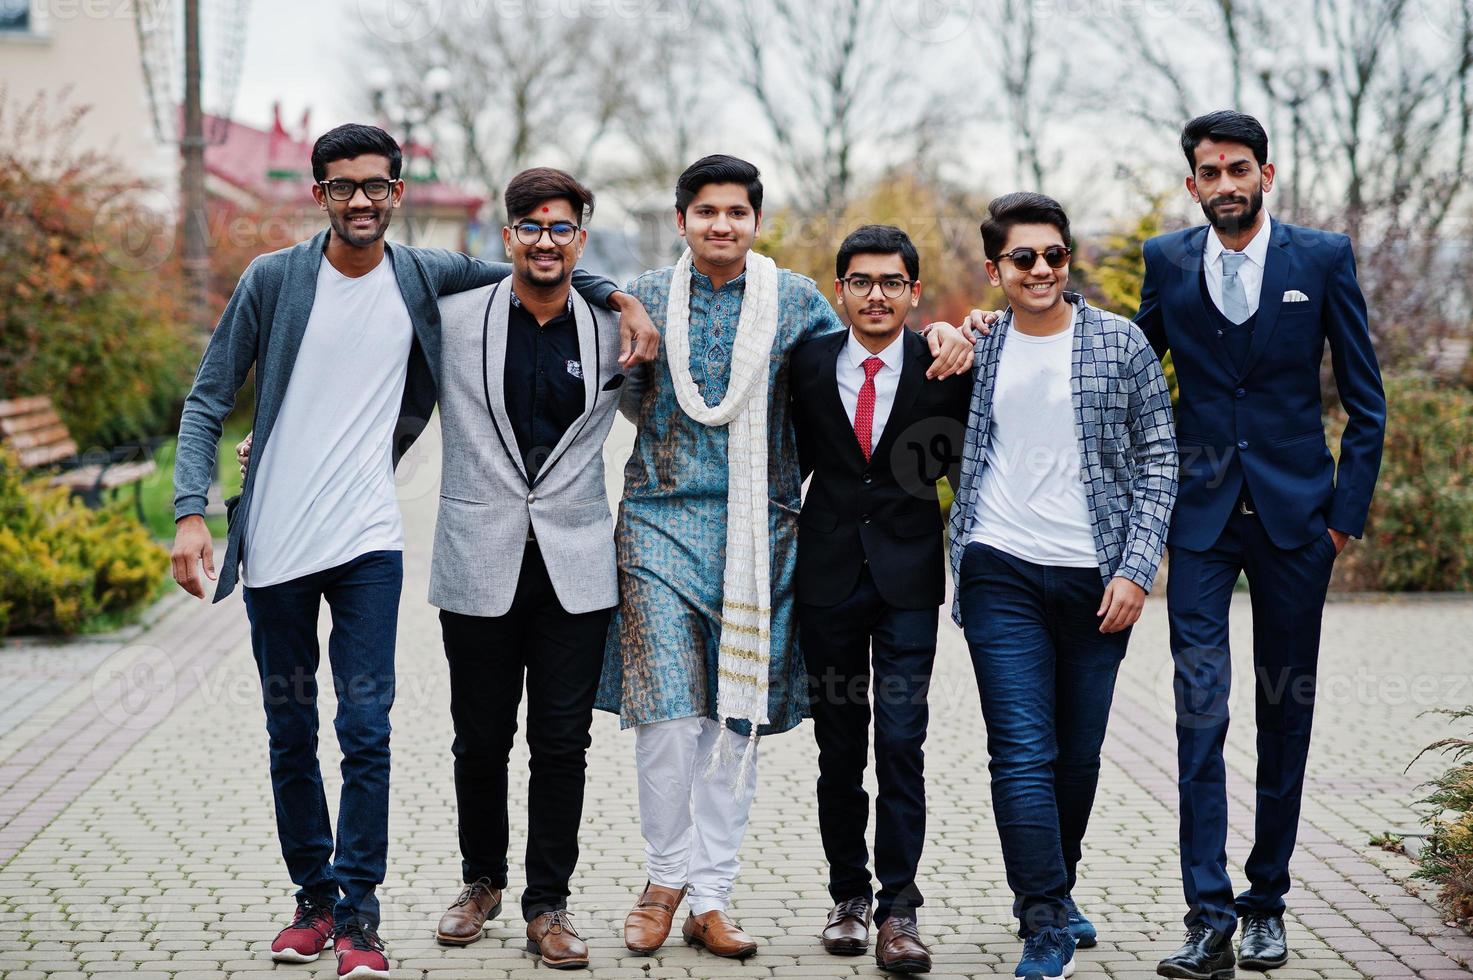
(560, 656)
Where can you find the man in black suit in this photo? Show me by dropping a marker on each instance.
(876, 435)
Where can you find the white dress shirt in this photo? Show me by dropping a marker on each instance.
(1250, 272)
(850, 374)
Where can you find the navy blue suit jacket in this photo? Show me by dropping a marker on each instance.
(1262, 424)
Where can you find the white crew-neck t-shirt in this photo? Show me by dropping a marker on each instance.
(324, 493)
(1031, 499)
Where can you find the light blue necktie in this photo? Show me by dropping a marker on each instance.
(1234, 299)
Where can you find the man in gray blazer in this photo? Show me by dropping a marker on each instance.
(523, 568)
(344, 336)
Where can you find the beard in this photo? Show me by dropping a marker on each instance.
(358, 239)
(1231, 224)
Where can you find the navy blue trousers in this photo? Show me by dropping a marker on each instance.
(859, 650)
(1287, 590)
(363, 597)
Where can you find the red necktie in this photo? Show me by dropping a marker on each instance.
(864, 412)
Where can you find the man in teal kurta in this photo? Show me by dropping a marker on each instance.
(662, 665)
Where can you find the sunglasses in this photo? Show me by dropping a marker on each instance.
(1024, 259)
(561, 232)
(343, 189)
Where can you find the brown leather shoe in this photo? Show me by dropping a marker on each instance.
(551, 936)
(647, 925)
(898, 947)
(463, 921)
(720, 935)
(847, 931)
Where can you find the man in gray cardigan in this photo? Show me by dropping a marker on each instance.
(344, 334)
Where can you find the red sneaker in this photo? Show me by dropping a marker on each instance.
(360, 953)
(307, 936)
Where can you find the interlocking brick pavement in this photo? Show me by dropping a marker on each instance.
(155, 854)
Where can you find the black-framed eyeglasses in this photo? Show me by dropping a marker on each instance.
(343, 189)
(561, 232)
(893, 287)
(1057, 256)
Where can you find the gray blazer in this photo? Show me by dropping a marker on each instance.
(486, 501)
(262, 327)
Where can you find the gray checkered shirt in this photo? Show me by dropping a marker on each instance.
(1127, 442)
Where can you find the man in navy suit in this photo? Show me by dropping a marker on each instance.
(1246, 306)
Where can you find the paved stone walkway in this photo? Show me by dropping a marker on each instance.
(136, 830)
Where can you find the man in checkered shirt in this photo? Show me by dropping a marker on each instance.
(1068, 478)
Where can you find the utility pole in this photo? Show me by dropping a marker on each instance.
(192, 149)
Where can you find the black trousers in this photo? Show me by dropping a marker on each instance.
(838, 643)
(560, 654)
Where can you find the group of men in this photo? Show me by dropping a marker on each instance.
(724, 605)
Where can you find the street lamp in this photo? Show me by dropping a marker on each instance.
(407, 114)
(1294, 86)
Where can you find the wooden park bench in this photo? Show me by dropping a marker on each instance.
(31, 429)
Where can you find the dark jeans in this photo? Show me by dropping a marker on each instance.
(1046, 676)
(363, 597)
(838, 643)
(561, 656)
(1288, 595)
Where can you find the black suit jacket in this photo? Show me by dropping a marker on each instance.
(883, 511)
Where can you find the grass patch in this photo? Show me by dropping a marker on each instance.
(158, 489)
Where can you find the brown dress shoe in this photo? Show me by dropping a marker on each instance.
(551, 936)
(847, 931)
(720, 935)
(463, 921)
(898, 947)
(647, 925)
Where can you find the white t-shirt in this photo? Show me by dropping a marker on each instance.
(324, 493)
(1031, 499)
(849, 373)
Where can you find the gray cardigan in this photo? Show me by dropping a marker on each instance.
(262, 326)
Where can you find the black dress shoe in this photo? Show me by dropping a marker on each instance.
(1207, 954)
(1263, 946)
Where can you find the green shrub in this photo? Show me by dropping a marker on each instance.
(62, 564)
(1447, 858)
(89, 287)
(1419, 537)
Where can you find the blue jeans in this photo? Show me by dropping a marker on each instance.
(1046, 675)
(363, 596)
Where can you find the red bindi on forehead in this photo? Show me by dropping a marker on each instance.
(1220, 156)
(545, 210)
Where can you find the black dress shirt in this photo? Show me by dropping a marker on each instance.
(543, 382)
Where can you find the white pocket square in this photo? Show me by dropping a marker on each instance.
(1295, 296)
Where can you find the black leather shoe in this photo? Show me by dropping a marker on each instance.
(1207, 954)
(1263, 946)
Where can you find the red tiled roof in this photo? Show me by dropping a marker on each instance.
(275, 166)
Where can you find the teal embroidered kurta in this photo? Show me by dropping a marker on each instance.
(660, 662)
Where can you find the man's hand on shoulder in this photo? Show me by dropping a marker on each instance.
(951, 351)
(639, 341)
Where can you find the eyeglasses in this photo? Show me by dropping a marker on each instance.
(1057, 256)
(561, 232)
(343, 189)
(893, 287)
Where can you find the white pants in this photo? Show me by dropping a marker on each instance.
(692, 824)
